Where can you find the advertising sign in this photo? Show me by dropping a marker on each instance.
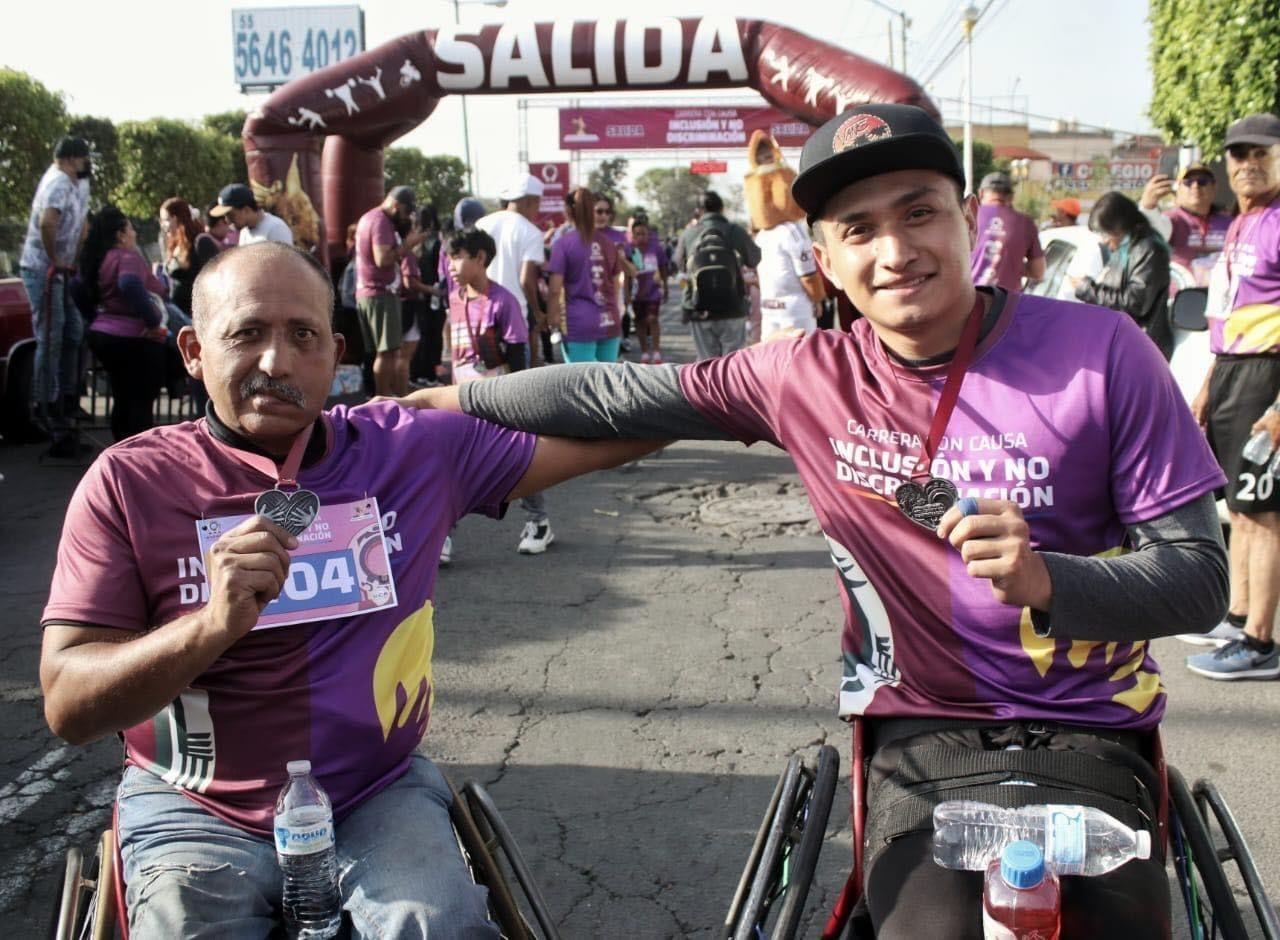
(277, 44)
(1127, 174)
(555, 186)
(673, 128)
(707, 167)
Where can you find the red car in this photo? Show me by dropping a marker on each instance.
(17, 359)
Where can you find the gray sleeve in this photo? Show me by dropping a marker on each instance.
(1174, 582)
(591, 400)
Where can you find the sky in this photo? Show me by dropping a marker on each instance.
(174, 59)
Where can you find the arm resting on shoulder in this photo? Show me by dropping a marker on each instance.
(556, 459)
(1175, 581)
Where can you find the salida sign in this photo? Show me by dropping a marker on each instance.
(669, 128)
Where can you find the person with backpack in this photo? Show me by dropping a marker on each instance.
(712, 253)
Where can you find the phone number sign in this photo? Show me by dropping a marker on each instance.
(278, 44)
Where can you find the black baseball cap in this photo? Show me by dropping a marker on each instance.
(405, 196)
(68, 148)
(235, 196)
(867, 141)
(1262, 130)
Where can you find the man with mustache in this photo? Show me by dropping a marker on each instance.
(978, 461)
(220, 666)
(1239, 399)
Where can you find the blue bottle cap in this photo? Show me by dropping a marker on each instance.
(1022, 865)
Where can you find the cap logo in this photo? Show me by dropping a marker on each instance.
(859, 130)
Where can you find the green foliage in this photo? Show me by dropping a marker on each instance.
(103, 140)
(32, 118)
(1212, 62)
(439, 180)
(231, 124)
(984, 160)
(672, 193)
(162, 158)
(606, 179)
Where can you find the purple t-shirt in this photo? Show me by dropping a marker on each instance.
(590, 273)
(1244, 289)
(1068, 410)
(649, 262)
(116, 313)
(374, 228)
(1007, 239)
(353, 695)
(1193, 237)
(498, 309)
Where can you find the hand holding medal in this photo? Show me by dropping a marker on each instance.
(994, 541)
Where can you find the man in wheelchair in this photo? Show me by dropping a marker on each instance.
(1015, 497)
(255, 587)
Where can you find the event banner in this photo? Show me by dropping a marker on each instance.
(555, 186)
(671, 128)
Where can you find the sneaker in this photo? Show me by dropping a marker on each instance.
(1236, 660)
(656, 359)
(645, 358)
(1224, 633)
(446, 551)
(535, 538)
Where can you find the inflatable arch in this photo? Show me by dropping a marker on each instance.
(314, 147)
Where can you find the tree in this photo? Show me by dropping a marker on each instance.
(606, 180)
(673, 193)
(439, 181)
(984, 160)
(1212, 62)
(32, 118)
(162, 158)
(103, 141)
(231, 124)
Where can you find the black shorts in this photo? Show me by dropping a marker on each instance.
(1241, 389)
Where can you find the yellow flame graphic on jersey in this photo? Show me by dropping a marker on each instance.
(1255, 326)
(405, 664)
(1043, 650)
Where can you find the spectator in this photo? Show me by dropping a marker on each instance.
(582, 299)
(55, 231)
(1136, 278)
(1086, 253)
(604, 214)
(426, 364)
(413, 305)
(1008, 245)
(384, 235)
(127, 332)
(520, 253)
(253, 223)
(220, 228)
(650, 290)
(186, 249)
(347, 281)
(1194, 230)
(791, 290)
(1238, 398)
(720, 328)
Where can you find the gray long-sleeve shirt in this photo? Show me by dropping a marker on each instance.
(1175, 580)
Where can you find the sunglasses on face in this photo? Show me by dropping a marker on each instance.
(1242, 152)
(1198, 181)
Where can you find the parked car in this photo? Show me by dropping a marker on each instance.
(17, 360)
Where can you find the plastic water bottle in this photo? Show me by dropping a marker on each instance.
(305, 848)
(1020, 897)
(1075, 840)
(1258, 448)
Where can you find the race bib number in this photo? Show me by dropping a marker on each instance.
(339, 569)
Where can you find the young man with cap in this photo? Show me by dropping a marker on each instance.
(384, 235)
(977, 460)
(253, 223)
(1194, 229)
(1239, 398)
(55, 230)
(1008, 246)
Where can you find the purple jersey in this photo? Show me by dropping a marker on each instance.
(353, 695)
(498, 309)
(1087, 439)
(1007, 239)
(590, 271)
(649, 262)
(374, 228)
(1192, 236)
(1244, 289)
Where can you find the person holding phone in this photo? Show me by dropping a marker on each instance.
(1194, 228)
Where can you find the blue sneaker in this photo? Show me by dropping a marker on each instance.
(1220, 635)
(1236, 660)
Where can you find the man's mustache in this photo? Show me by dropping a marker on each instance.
(264, 384)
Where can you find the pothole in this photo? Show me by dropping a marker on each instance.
(741, 510)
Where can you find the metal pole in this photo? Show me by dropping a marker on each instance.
(969, 19)
(890, 25)
(466, 131)
(905, 23)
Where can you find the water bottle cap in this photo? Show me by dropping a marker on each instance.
(297, 768)
(1142, 848)
(1022, 864)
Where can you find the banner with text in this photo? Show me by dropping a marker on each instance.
(672, 128)
(555, 186)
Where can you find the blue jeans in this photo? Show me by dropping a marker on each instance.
(605, 350)
(400, 874)
(57, 364)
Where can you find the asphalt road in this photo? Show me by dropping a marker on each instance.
(629, 698)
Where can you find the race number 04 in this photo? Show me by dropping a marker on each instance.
(303, 584)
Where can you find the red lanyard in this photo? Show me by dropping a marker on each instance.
(951, 389)
(286, 474)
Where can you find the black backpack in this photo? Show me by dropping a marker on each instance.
(715, 276)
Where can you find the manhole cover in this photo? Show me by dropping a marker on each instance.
(755, 509)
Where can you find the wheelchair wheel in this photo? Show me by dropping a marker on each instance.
(780, 869)
(1213, 808)
(502, 846)
(104, 904)
(1206, 893)
(66, 915)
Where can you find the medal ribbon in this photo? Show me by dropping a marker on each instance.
(287, 473)
(951, 389)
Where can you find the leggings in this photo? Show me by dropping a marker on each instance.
(604, 350)
(137, 367)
